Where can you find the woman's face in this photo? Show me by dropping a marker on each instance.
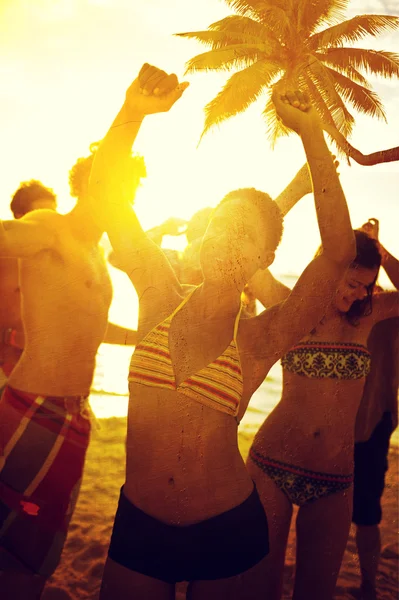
(354, 286)
(232, 247)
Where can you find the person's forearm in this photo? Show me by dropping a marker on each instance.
(391, 266)
(156, 234)
(335, 227)
(294, 191)
(120, 335)
(267, 289)
(108, 173)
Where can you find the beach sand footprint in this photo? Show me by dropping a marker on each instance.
(390, 551)
(94, 552)
(56, 593)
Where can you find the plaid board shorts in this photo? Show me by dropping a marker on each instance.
(43, 444)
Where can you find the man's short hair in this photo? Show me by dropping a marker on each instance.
(28, 193)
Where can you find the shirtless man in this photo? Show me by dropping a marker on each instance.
(33, 195)
(44, 416)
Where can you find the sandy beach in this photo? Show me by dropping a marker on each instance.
(79, 574)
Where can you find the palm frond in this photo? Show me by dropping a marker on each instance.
(353, 30)
(324, 81)
(239, 92)
(220, 39)
(362, 99)
(342, 67)
(311, 13)
(318, 101)
(376, 62)
(257, 7)
(238, 55)
(266, 38)
(324, 112)
(239, 24)
(277, 15)
(234, 29)
(245, 7)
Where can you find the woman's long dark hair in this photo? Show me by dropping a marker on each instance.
(369, 257)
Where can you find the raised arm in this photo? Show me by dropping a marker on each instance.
(289, 321)
(391, 266)
(267, 289)
(152, 92)
(173, 226)
(26, 237)
(299, 187)
(385, 304)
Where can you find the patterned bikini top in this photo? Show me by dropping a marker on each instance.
(219, 385)
(333, 360)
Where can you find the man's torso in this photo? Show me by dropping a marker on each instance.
(66, 293)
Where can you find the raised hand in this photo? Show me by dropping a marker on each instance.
(153, 91)
(295, 110)
(302, 181)
(372, 228)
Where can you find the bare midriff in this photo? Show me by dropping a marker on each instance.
(65, 302)
(313, 424)
(183, 461)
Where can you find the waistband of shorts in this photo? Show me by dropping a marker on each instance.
(74, 405)
(252, 502)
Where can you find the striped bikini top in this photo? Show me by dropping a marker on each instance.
(219, 385)
(333, 360)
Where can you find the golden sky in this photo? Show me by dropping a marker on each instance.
(65, 65)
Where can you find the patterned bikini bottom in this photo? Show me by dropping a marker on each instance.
(301, 486)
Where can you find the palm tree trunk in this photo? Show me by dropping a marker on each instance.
(367, 160)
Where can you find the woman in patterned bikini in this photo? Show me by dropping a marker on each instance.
(189, 511)
(303, 453)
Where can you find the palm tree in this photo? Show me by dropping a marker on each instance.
(286, 42)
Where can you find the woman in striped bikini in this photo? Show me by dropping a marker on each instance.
(303, 453)
(189, 511)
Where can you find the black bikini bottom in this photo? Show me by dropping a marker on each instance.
(219, 547)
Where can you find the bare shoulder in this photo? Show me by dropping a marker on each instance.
(48, 220)
(33, 233)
